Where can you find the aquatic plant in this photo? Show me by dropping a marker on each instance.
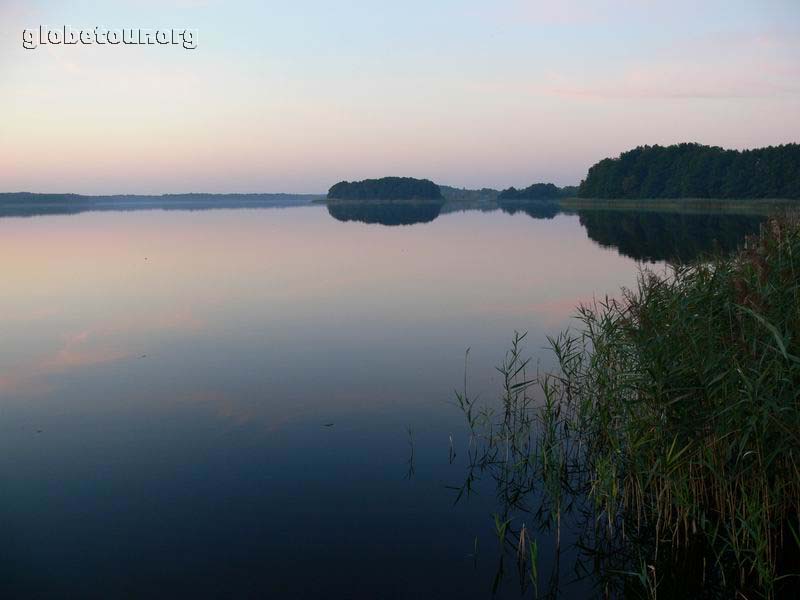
(670, 435)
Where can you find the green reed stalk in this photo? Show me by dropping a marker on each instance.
(676, 414)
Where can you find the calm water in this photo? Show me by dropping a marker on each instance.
(217, 403)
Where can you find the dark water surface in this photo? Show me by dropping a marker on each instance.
(217, 403)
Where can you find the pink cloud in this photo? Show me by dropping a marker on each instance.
(91, 347)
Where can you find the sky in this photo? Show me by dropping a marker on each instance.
(295, 96)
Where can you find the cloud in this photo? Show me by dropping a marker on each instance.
(78, 351)
(94, 346)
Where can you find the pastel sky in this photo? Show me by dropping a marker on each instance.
(294, 96)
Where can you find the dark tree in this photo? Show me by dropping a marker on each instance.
(696, 171)
(537, 191)
(388, 188)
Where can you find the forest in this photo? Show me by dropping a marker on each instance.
(538, 191)
(696, 171)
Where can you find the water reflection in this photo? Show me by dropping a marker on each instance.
(32, 205)
(664, 236)
(385, 213)
(166, 379)
(536, 210)
(642, 235)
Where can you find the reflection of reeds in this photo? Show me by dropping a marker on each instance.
(671, 431)
(411, 454)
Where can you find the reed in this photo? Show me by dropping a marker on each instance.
(673, 424)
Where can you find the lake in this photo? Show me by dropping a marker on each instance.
(259, 402)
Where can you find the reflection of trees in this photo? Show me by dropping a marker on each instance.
(385, 213)
(537, 210)
(655, 236)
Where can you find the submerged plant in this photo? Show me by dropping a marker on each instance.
(671, 430)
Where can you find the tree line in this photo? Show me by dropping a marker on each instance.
(696, 171)
(538, 191)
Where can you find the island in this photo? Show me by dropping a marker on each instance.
(387, 201)
(387, 189)
(537, 191)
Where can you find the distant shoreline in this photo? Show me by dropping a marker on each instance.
(7, 198)
(28, 204)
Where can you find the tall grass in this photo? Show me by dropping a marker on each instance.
(673, 421)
